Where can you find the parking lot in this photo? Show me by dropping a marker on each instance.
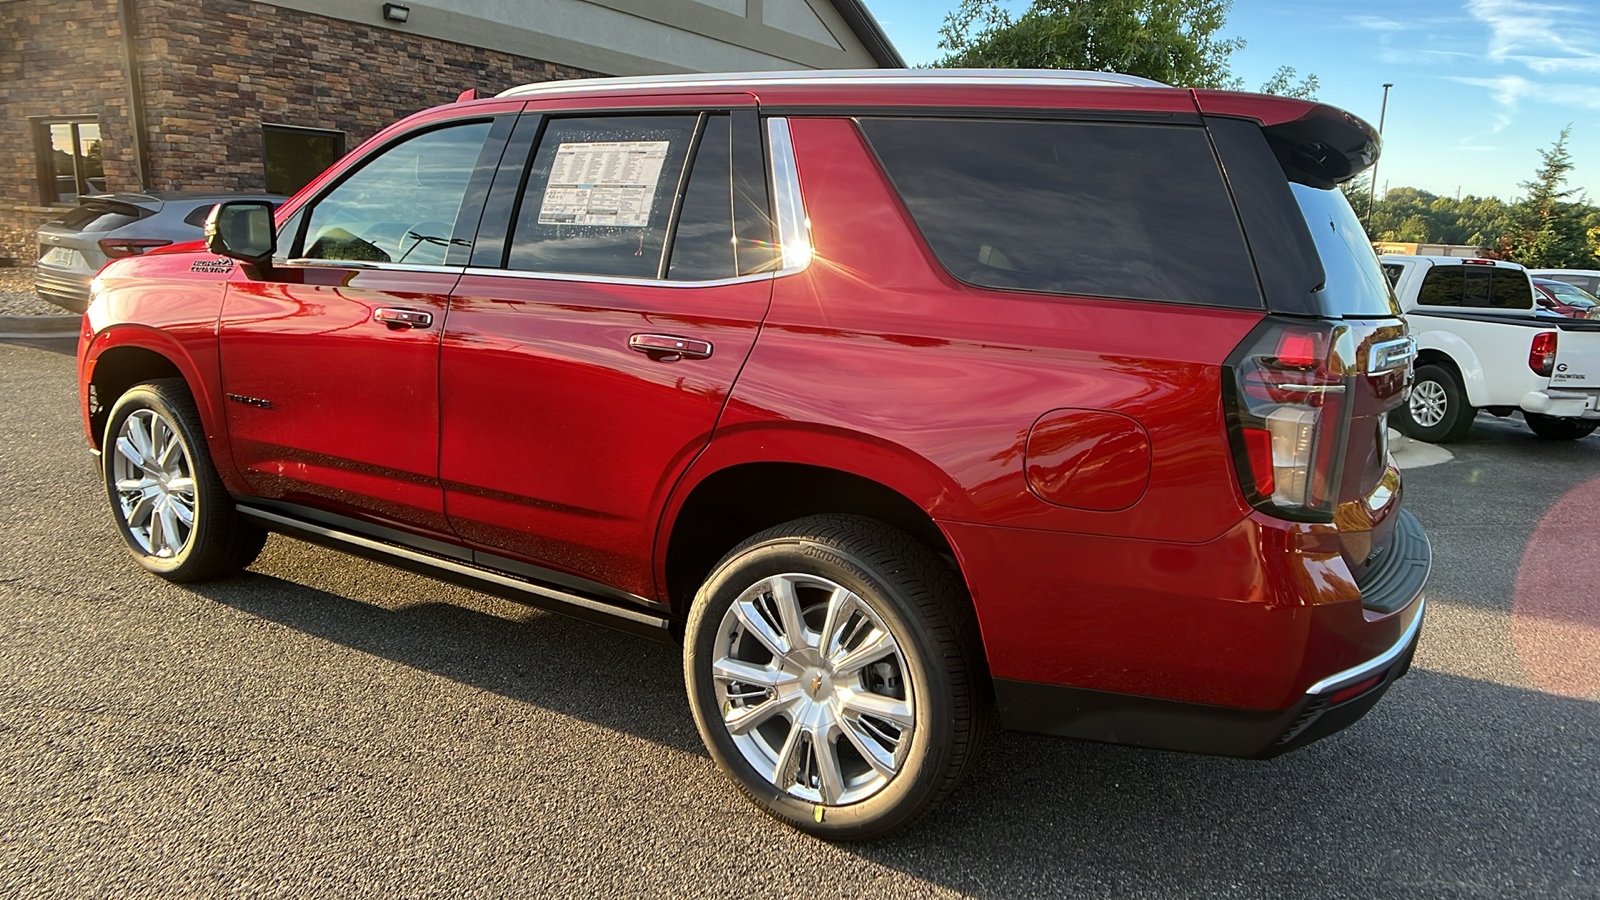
(327, 726)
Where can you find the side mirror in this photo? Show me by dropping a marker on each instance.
(243, 230)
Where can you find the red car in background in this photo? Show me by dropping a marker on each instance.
(1563, 298)
(893, 396)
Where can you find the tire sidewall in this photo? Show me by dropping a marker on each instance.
(905, 796)
(152, 397)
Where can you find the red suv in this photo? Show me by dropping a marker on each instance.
(896, 397)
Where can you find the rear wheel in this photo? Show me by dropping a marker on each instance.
(1552, 428)
(1437, 410)
(834, 674)
(169, 503)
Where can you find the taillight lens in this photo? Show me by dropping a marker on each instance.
(1287, 416)
(117, 248)
(1542, 355)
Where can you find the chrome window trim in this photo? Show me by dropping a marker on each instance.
(868, 77)
(613, 279)
(316, 263)
(1356, 673)
(789, 206)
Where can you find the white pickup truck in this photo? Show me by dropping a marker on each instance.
(1482, 344)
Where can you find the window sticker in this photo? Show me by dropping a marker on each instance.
(603, 183)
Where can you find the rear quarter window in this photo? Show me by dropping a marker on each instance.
(1082, 208)
(1476, 287)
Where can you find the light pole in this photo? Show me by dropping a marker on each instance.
(1372, 196)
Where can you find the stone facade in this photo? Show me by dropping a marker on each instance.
(212, 73)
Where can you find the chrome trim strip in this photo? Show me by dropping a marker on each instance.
(789, 207)
(1356, 673)
(308, 263)
(869, 77)
(610, 279)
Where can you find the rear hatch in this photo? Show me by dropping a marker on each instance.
(1311, 388)
(71, 243)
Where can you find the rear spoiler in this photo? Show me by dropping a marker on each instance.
(1316, 144)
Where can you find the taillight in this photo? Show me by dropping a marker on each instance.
(1542, 355)
(1287, 416)
(117, 248)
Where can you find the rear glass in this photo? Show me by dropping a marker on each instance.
(1476, 287)
(1086, 208)
(1355, 285)
(98, 217)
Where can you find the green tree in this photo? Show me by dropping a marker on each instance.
(1548, 230)
(1172, 41)
(1283, 84)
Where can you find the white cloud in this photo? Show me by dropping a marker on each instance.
(1376, 23)
(1519, 26)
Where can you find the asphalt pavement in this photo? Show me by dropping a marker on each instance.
(325, 726)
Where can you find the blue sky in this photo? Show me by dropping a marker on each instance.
(1479, 85)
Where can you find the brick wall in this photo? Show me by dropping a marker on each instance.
(213, 71)
(57, 58)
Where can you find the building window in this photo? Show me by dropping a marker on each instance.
(71, 159)
(294, 156)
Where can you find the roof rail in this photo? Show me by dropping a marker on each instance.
(1045, 77)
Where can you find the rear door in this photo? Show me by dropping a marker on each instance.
(616, 288)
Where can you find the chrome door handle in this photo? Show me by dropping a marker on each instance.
(670, 347)
(402, 318)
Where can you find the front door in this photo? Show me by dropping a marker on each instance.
(330, 359)
(588, 355)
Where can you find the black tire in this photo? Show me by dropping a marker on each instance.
(1552, 428)
(924, 608)
(1455, 416)
(218, 541)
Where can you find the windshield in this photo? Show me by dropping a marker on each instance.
(1355, 286)
(1571, 296)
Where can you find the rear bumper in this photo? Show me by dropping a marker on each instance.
(1563, 404)
(1248, 645)
(67, 290)
(1330, 705)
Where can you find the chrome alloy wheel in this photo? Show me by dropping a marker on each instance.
(154, 483)
(1428, 403)
(813, 689)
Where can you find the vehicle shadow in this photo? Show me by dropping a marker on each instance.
(610, 678)
(1441, 791)
(1450, 787)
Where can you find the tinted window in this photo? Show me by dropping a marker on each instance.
(1355, 286)
(600, 194)
(94, 216)
(294, 157)
(1442, 287)
(1393, 273)
(1111, 210)
(401, 205)
(1476, 287)
(197, 216)
(702, 245)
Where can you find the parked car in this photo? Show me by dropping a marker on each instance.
(1563, 298)
(77, 244)
(1586, 279)
(891, 395)
(1485, 344)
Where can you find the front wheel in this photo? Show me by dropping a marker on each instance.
(1552, 428)
(1437, 410)
(166, 496)
(834, 674)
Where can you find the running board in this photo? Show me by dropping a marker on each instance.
(466, 575)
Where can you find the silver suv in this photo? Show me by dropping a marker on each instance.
(74, 247)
